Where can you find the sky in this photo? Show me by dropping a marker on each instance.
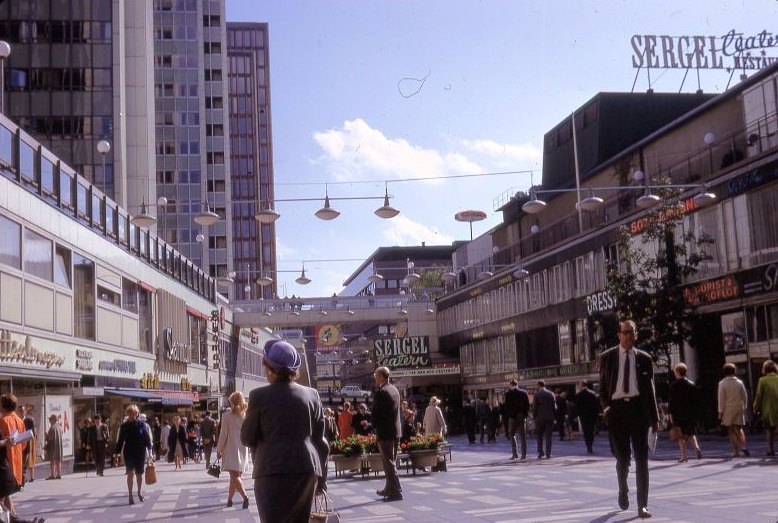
(366, 95)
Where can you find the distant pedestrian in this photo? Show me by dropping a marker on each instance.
(434, 423)
(208, 433)
(516, 409)
(766, 402)
(176, 443)
(54, 448)
(102, 437)
(230, 450)
(164, 434)
(544, 415)
(683, 407)
(156, 434)
(408, 428)
(284, 428)
(588, 408)
(344, 421)
(484, 412)
(469, 420)
(28, 455)
(733, 402)
(361, 421)
(134, 444)
(330, 425)
(560, 414)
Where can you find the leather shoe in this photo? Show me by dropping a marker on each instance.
(381, 492)
(643, 513)
(394, 497)
(623, 500)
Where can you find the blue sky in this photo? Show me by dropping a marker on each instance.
(364, 92)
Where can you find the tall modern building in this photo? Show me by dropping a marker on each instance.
(150, 80)
(251, 162)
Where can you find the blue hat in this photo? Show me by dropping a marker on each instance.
(280, 355)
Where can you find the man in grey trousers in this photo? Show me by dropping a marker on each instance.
(543, 411)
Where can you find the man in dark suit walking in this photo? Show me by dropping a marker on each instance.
(387, 428)
(516, 408)
(544, 413)
(629, 400)
(588, 408)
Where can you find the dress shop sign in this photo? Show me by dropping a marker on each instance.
(15, 351)
(732, 50)
(402, 353)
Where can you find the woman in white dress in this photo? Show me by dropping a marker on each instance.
(233, 454)
(434, 423)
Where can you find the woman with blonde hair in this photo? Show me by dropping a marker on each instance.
(230, 450)
(134, 444)
(434, 423)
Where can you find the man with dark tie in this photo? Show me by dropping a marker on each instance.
(629, 401)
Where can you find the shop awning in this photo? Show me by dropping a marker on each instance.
(41, 374)
(165, 397)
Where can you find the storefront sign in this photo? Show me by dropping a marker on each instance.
(712, 291)
(600, 302)
(671, 213)
(732, 50)
(84, 360)
(149, 380)
(120, 366)
(62, 408)
(411, 351)
(437, 371)
(174, 350)
(752, 179)
(760, 279)
(327, 335)
(576, 369)
(14, 351)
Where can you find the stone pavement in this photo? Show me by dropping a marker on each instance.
(481, 485)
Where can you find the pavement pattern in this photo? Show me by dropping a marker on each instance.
(481, 485)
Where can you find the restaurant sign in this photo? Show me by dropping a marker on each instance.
(407, 352)
(732, 50)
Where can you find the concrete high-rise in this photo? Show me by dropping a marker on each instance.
(150, 78)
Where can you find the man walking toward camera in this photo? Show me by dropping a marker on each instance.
(629, 400)
(208, 433)
(387, 427)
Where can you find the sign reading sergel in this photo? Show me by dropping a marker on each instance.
(732, 50)
(398, 353)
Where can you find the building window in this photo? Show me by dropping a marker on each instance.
(62, 267)
(129, 295)
(11, 246)
(38, 255)
(106, 295)
(146, 338)
(83, 297)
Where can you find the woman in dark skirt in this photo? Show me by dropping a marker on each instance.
(135, 445)
(683, 407)
(177, 443)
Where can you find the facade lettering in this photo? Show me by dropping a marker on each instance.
(411, 351)
(12, 350)
(120, 366)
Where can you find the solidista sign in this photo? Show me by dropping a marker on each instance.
(398, 353)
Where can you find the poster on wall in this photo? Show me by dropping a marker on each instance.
(33, 406)
(733, 331)
(62, 407)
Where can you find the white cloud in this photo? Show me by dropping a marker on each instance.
(402, 231)
(358, 152)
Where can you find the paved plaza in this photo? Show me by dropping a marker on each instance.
(481, 485)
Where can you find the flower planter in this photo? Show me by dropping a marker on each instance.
(345, 464)
(376, 462)
(423, 458)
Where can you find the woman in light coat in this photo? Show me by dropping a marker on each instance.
(766, 402)
(434, 423)
(733, 401)
(230, 450)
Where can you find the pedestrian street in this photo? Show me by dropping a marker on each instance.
(481, 485)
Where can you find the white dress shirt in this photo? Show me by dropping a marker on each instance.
(633, 379)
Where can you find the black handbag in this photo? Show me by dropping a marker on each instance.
(215, 469)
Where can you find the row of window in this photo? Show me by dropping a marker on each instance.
(60, 79)
(56, 31)
(59, 186)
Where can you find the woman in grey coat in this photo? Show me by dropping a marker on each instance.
(284, 428)
(54, 447)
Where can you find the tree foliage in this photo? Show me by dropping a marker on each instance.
(647, 281)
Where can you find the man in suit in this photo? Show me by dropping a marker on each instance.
(284, 428)
(629, 400)
(387, 427)
(516, 408)
(588, 408)
(102, 437)
(544, 412)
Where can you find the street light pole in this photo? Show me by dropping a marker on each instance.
(5, 51)
(104, 147)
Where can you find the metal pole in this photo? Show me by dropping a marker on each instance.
(2, 85)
